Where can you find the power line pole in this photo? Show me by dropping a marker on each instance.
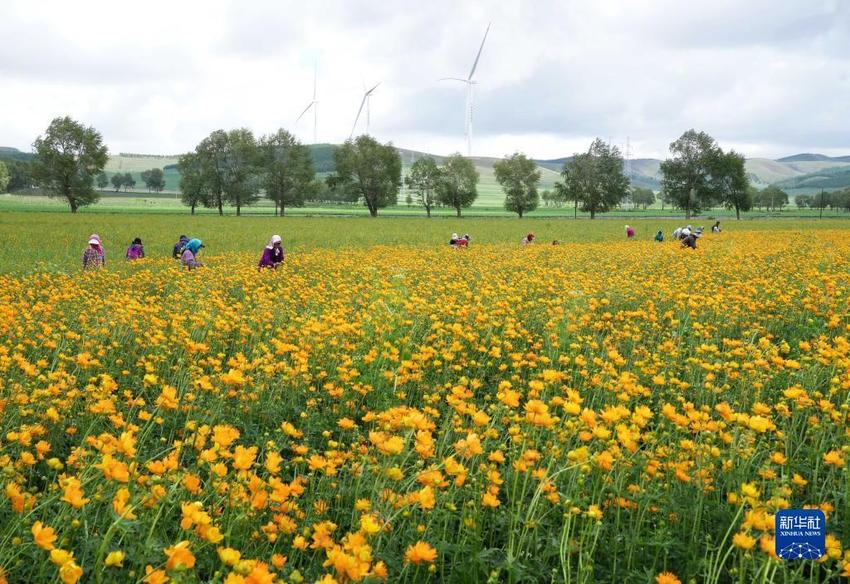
(628, 153)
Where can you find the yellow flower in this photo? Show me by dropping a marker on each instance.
(179, 557)
(743, 540)
(667, 578)
(229, 556)
(369, 524)
(155, 576)
(834, 458)
(420, 553)
(537, 413)
(73, 493)
(61, 557)
(114, 559)
(243, 458)
(490, 500)
(44, 536)
(70, 572)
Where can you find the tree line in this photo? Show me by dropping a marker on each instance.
(236, 168)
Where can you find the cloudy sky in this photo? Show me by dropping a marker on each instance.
(767, 77)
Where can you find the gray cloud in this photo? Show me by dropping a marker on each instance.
(771, 77)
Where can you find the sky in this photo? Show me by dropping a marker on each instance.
(767, 78)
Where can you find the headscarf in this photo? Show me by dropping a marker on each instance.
(94, 236)
(275, 239)
(454, 235)
(193, 245)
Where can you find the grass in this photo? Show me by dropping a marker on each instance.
(169, 203)
(61, 236)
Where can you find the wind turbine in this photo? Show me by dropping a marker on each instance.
(365, 102)
(469, 99)
(313, 104)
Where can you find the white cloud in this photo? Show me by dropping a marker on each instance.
(768, 78)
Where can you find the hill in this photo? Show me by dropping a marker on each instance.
(829, 179)
(7, 153)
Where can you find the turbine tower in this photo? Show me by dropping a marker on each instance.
(365, 102)
(313, 104)
(469, 81)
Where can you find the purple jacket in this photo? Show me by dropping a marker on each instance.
(271, 257)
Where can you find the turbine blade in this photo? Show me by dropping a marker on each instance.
(453, 79)
(306, 109)
(478, 56)
(354, 127)
(373, 89)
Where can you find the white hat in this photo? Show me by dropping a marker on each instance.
(454, 235)
(276, 239)
(94, 241)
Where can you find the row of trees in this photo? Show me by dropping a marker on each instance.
(233, 167)
(771, 198)
(835, 200)
(154, 180)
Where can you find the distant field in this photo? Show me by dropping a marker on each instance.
(138, 163)
(68, 233)
(169, 204)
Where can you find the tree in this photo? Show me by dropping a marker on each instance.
(117, 181)
(5, 177)
(458, 184)
(154, 179)
(229, 167)
(211, 159)
(805, 201)
(424, 180)
(20, 172)
(102, 180)
(642, 196)
(287, 170)
(730, 182)
(519, 177)
(773, 198)
(67, 159)
(370, 170)
(129, 181)
(595, 180)
(686, 177)
(193, 189)
(241, 180)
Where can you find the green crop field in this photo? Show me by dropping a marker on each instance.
(54, 240)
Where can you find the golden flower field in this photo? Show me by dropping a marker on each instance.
(599, 411)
